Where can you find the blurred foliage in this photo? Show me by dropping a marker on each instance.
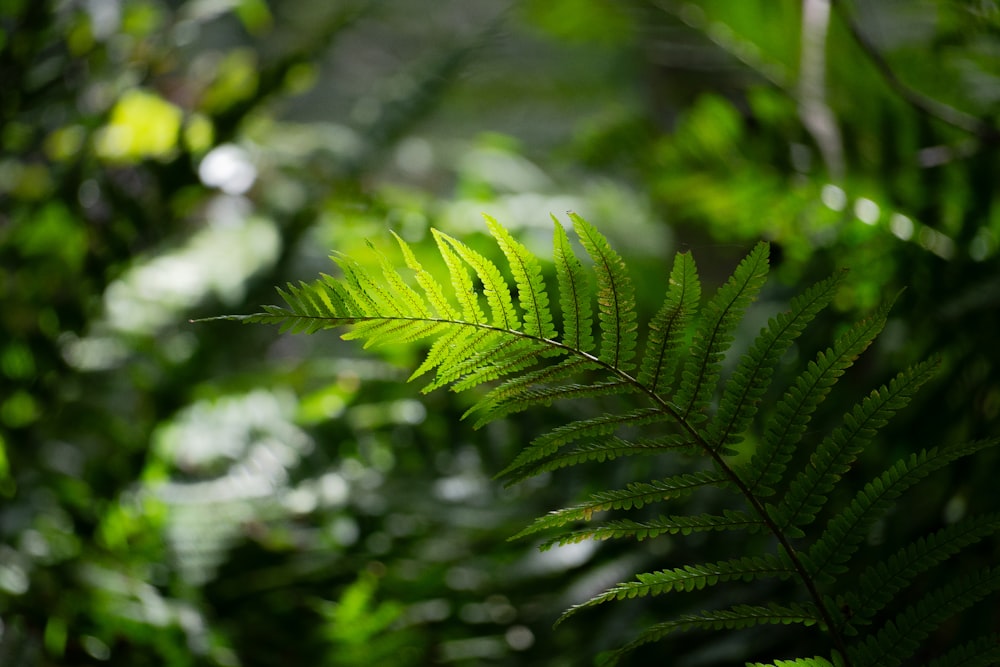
(207, 496)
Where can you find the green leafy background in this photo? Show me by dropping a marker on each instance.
(208, 495)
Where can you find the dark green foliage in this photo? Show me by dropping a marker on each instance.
(681, 407)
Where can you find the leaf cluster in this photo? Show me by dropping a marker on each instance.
(483, 330)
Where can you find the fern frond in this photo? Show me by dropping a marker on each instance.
(901, 637)
(412, 304)
(461, 345)
(634, 495)
(511, 396)
(461, 282)
(797, 662)
(878, 585)
(545, 396)
(615, 297)
(752, 376)
(714, 334)
(603, 425)
(309, 310)
(833, 457)
(734, 618)
(605, 449)
(786, 427)
(527, 273)
(495, 353)
(982, 652)
(515, 343)
(449, 346)
(664, 525)
(432, 289)
(575, 293)
(845, 531)
(506, 358)
(689, 578)
(666, 330)
(495, 288)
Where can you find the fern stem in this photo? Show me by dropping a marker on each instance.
(760, 510)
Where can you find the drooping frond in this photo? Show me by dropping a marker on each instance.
(714, 334)
(729, 520)
(505, 355)
(689, 578)
(785, 428)
(666, 330)
(635, 495)
(516, 394)
(845, 531)
(737, 617)
(605, 449)
(753, 374)
(901, 637)
(602, 425)
(615, 297)
(538, 351)
(809, 490)
(878, 585)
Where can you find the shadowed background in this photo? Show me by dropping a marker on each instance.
(178, 494)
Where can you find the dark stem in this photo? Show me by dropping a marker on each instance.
(922, 103)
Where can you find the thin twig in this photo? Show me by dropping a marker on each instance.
(922, 103)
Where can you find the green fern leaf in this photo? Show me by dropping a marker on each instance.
(308, 309)
(735, 618)
(714, 334)
(901, 637)
(461, 282)
(845, 531)
(605, 449)
(494, 354)
(410, 301)
(664, 525)
(833, 457)
(615, 298)
(797, 662)
(786, 427)
(511, 396)
(527, 273)
(689, 578)
(470, 342)
(507, 340)
(753, 374)
(666, 330)
(495, 288)
(602, 425)
(506, 358)
(432, 289)
(450, 345)
(982, 652)
(575, 294)
(635, 495)
(545, 396)
(878, 585)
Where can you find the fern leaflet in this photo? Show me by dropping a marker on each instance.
(715, 333)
